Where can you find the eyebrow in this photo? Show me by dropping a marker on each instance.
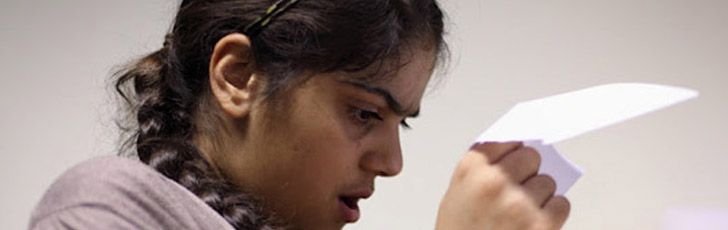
(391, 102)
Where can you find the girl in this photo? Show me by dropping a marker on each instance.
(280, 115)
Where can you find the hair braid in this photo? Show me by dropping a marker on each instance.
(164, 139)
(170, 85)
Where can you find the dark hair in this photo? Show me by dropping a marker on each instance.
(165, 90)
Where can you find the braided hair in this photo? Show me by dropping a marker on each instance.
(165, 92)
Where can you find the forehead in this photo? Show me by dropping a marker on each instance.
(408, 79)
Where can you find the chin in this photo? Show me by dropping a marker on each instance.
(312, 223)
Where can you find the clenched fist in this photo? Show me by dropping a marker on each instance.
(495, 187)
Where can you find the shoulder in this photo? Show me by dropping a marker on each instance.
(120, 193)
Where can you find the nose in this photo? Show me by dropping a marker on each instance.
(384, 156)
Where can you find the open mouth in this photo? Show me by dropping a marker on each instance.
(351, 202)
(349, 208)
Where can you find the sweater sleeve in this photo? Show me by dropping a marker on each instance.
(118, 193)
(85, 217)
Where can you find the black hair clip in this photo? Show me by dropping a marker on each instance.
(274, 10)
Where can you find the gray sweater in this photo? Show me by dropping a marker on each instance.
(120, 193)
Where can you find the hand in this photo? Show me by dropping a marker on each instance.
(495, 187)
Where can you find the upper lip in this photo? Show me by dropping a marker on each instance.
(362, 193)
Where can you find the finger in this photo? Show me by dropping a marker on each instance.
(520, 164)
(540, 188)
(557, 209)
(494, 151)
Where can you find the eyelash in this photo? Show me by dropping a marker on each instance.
(404, 124)
(363, 116)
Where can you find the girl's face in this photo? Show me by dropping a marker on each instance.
(314, 153)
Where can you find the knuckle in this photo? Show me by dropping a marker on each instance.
(549, 183)
(495, 150)
(464, 167)
(498, 180)
(557, 210)
(563, 204)
(544, 182)
(533, 156)
(480, 147)
(491, 185)
(520, 208)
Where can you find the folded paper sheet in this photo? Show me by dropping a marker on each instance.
(543, 122)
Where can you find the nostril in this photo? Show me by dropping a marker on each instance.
(383, 173)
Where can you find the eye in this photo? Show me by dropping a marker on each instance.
(365, 116)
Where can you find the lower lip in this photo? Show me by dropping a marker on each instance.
(350, 215)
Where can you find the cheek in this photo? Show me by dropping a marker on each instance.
(324, 149)
(312, 157)
(326, 134)
(320, 148)
(321, 162)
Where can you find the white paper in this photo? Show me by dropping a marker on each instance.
(546, 121)
(564, 172)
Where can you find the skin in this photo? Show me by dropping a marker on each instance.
(333, 135)
(306, 149)
(495, 187)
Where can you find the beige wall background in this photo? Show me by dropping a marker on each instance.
(55, 57)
